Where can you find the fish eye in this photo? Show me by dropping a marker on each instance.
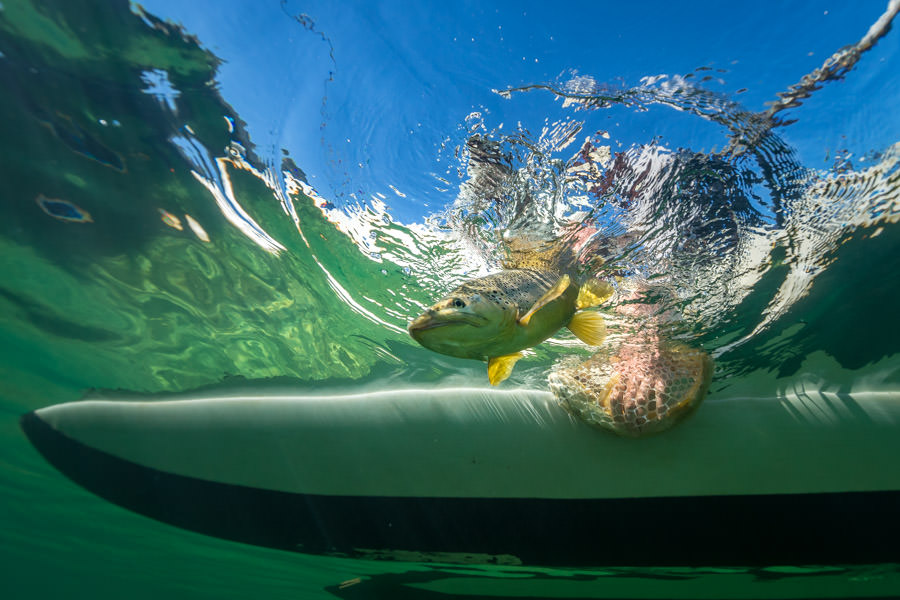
(458, 303)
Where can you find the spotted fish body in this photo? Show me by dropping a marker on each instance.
(492, 318)
(516, 291)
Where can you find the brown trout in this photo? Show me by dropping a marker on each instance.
(493, 318)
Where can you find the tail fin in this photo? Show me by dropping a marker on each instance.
(588, 327)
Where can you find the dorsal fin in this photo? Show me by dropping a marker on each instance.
(593, 292)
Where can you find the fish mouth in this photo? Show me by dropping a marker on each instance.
(431, 325)
(427, 322)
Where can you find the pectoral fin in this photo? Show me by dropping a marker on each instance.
(501, 367)
(555, 292)
(588, 327)
(593, 292)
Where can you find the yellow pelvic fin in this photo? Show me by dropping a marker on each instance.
(552, 294)
(501, 367)
(588, 327)
(593, 292)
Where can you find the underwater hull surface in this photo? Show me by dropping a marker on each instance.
(485, 476)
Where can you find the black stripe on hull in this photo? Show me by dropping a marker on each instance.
(837, 528)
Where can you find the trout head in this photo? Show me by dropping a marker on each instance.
(463, 324)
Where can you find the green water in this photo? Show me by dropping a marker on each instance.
(125, 301)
